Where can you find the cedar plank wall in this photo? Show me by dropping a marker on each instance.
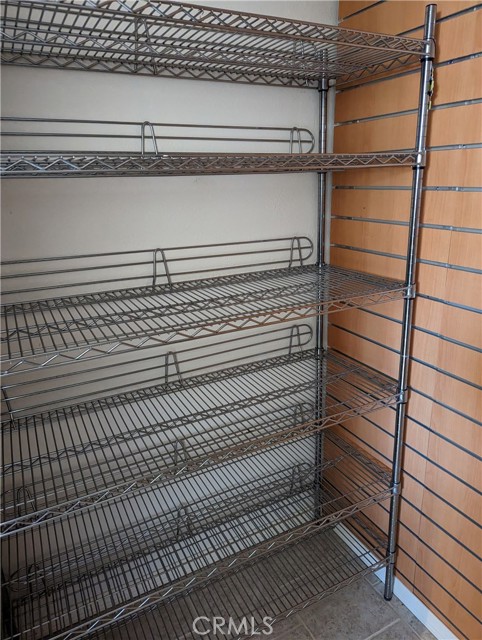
(439, 538)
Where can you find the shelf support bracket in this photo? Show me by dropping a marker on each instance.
(148, 125)
(425, 96)
(162, 253)
(168, 356)
(295, 248)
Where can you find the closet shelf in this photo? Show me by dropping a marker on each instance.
(193, 539)
(71, 165)
(287, 582)
(43, 333)
(85, 454)
(179, 40)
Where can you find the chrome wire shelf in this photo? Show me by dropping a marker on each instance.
(44, 333)
(181, 40)
(116, 558)
(77, 165)
(286, 582)
(72, 458)
(106, 148)
(26, 394)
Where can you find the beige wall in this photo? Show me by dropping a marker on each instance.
(55, 217)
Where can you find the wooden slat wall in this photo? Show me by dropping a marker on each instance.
(440, 541)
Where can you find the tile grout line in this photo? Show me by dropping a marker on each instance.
(388, 626)
(302, 623)
(390, 603)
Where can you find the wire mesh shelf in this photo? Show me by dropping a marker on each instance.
(181, 40)
(40, 333)
(134, 149)
(75, 457)
(166, 149)
(116, 559)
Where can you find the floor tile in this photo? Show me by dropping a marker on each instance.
(398, 631)
(404, 614)
(353, 613)
(290, 629)
(372, 579)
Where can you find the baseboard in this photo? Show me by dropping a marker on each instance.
(413, 604)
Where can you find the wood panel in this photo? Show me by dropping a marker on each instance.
(437, 245)
(465, 250)
(438, 537)
(445, 604)
(449, 208)
(462, 325)
(369, 326)
(372, 236)
(454, 168)
(398, 16)
(371, 203)
(375, 356)
(378, 265)
(347, 7)
(458, 37)
(456, 555)
(447, 127)
(400, 93)
(454, 426)
(457, 208)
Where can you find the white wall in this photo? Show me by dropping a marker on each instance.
(68, 216)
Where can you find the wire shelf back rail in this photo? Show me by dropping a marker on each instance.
(181, 40)
(145, 138)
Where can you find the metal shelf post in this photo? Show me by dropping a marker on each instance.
(425, 94)
(320, 259)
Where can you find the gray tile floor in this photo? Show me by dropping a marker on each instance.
(358, 612)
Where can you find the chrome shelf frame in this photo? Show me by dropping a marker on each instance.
(180, 40)
(137, 564)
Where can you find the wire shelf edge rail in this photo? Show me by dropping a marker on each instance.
(136, 149)
(80, 165)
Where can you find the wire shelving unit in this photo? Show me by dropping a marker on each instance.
(158, 458)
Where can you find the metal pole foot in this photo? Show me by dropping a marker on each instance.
(389, 580)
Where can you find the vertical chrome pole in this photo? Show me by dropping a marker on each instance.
(320, 259)
(426, 83)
